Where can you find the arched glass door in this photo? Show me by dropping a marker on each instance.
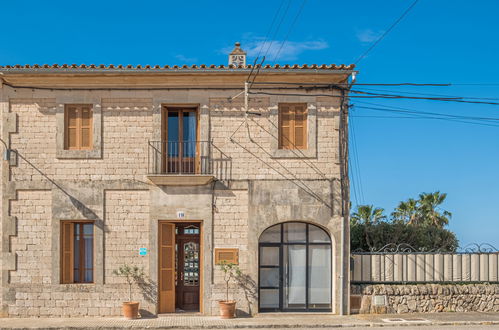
(294, 268)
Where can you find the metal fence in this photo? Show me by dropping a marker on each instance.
(403, 264)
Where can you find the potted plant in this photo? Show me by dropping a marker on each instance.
(228, 307)
(131, 274)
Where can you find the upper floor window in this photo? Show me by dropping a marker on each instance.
(292, 126)
(78, 127)
(77, 252)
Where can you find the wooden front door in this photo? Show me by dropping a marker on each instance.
(188, 267)
(166, 267)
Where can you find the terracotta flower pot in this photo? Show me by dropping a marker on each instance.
(227, 309)
(131, 309)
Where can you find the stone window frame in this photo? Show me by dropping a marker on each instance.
(96, 151)
(311, 150)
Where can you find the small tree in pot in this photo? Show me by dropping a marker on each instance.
(228, 307)
(132, 274)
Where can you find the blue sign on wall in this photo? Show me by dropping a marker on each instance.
(142, 251)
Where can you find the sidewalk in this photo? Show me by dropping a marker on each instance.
(284, 320)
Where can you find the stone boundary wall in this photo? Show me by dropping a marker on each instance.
(424, 298)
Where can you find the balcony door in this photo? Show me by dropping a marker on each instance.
(180, 140)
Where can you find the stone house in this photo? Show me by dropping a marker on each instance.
(173, 169)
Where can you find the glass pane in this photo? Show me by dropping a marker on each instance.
(88, 229)
(271, 235)
(76, 254)
(317, 235)
(294, 286)
(191, 264)
(89, 276)
(269, 277)
(269, 256)
(173, 123)
(269, 298)
(319, 268)
(295, 232)
(190, 123)
(172, 126)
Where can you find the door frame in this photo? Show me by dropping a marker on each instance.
(281, 246)
(201, 260)
(164, 131)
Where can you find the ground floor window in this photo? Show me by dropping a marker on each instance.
(294, 268)
(77, 252)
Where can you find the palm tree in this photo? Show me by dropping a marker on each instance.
(429, 207)
(407, 212)
(367, 214)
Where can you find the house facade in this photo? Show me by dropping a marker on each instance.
(174, 170)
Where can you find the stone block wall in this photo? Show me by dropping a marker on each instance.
(33, 242)
(114, 191)
(427, 298)
(231, 231)
(126, 230)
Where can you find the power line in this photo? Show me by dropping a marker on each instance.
(278, 28)
(356, 173)
(382, 96)
(290, 29)
(430, 94)
(386, 32)
(270, 29)
(416, 115)
(264, 42)
(433, 114)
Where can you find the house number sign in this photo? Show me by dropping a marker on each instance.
(180, 214)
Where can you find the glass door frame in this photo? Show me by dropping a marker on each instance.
(281, 288)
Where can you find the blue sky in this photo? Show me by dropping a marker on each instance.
(438, 42)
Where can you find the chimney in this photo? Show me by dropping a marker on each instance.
(238, 56)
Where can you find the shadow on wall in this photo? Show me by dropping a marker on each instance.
(249, 287)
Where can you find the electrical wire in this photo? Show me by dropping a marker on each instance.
(386, 32)
(382, 96)
(429, 94)
(290, 29)
(356, 173)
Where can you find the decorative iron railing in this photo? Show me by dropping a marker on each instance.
(188, 157)
(180, 157)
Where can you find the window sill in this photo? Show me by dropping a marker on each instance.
(295, 153)
(79, 154)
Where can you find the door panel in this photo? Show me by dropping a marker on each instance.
(166, 267)
(188, 273)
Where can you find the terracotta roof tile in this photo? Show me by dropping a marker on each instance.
(69, 67)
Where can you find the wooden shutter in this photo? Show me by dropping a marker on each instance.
(300, 126)
(86, 127)
(78, 127)
(71, 134)
(230, 256)
(285, 126)
(67, 251)
(166, 268)
(292, 126)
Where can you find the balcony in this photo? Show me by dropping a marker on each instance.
(185, 163)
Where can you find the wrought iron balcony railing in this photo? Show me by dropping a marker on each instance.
(180, 157)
